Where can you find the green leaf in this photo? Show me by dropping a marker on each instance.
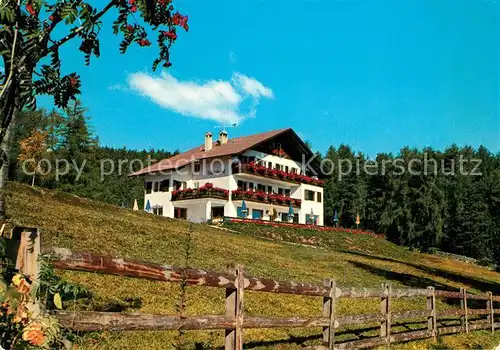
(58, 301)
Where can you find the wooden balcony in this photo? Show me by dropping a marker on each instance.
(260, 170)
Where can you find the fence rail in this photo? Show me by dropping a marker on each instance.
(236, 283)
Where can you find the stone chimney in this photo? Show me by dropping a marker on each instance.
(208, 141)
(223, 137)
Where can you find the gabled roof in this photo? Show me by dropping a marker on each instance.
(233, 146)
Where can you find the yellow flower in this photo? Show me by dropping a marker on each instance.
(33, 334)
(24, 287)
(17, 279)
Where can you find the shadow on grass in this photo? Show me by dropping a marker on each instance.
(355, 334)
(474, 282)
(404, 278)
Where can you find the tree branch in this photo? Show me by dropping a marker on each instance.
(12, 56)
(70, 36)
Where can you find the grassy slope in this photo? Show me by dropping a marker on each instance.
(353, 260)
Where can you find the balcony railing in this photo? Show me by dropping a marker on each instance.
(257, 169)
(259, 196)
(205, 191)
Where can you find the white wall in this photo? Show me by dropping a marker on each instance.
(316, 206)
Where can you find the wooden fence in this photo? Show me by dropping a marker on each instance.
(236, 283)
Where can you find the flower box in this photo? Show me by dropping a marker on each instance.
(253, 168)
(206, 191)
(259, 196)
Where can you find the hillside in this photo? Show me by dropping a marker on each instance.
(354, 260)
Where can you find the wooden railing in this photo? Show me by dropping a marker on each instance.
(236, 283)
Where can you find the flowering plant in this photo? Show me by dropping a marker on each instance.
(253, 168)
(261, 196)
(23, 325)
(206, 189)
(279, 152)
(25, 322)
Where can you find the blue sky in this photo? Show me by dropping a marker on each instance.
(377, 75)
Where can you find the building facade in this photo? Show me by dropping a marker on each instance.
(268, 176)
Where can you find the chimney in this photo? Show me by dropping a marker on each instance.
(223, 137)
(208, 141)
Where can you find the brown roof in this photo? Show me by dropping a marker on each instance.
(233, 146)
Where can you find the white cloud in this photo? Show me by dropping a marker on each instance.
(217, 100)
(252, 86)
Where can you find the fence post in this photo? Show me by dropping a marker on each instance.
(431, 307)
(234, 308)
(491, 316)
(23, 247)
(385, 309)
(464, 320)
(389, 313)
(329, 312)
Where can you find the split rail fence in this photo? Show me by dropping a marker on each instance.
(27, 245)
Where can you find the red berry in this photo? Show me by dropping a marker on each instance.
(130, 28)
(131, 2)
(171, 35)
(31, 9)
(133, 9)
(51, 18)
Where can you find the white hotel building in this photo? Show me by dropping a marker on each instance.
(261, 177)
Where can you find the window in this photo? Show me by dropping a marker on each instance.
(269, 189)
(280, 191)
(309, 195)
(177, 185)
(164, 185)
(158, 210)
(286, 169)
(284, 217)
(196, 185)
(257, 214)
(148, 186)
(156, 186)
(261, 188)
(277, 166)
(318, 194)
(242, 185)
(287, 192)
(180, 213)
(296, 218)
(184, 185)
(197, 167)
(270, 165)
(311, 219)
(250, 186)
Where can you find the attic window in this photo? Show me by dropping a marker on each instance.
(197, 167)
